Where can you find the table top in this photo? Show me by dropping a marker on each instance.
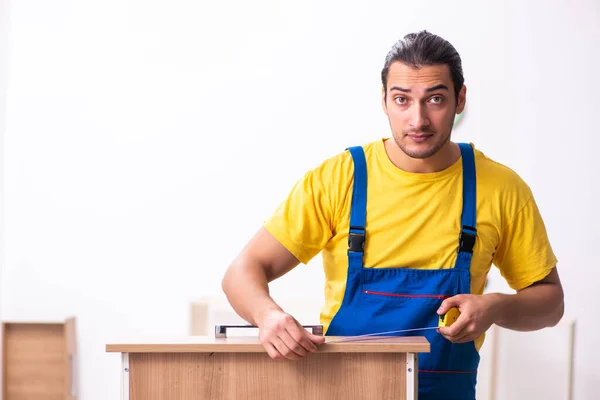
(204, 344)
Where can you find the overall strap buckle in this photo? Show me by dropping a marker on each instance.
(356, 240)
(466, 240)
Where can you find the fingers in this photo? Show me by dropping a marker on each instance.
(463, 336)
(469, 337)
(299, 338)
(451, 302)
(474, 318)
(462, 331)
(279, 350)
(272, 351)
(293, 349)
(284, 350)
(284, 338)
(464, 339)
(316, 339)
(457, 328)
(292, 346)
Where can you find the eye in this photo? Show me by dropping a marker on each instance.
(437, 99)
(400, 100)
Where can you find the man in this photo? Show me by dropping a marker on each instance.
(408, 228)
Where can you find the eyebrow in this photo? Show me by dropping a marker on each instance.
(431, 89)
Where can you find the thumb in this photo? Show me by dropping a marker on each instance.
(317, 339)
(449, 303)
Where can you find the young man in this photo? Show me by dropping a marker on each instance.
(408, 227)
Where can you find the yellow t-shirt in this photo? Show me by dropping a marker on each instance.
(413, 220)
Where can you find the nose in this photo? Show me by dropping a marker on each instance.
(419, 118)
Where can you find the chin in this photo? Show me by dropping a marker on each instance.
(419, 151)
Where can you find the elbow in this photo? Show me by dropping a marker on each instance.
(558, 299)
(234, 274)
(226, 281)
(224, 284)
(560, 312)
(557, 314)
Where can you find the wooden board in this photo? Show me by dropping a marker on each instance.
(37, 360)
(203, 344)
(254, 376)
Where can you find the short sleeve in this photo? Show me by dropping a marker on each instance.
(525, 255)
(302, 222)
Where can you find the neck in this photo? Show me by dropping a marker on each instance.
(444, 158)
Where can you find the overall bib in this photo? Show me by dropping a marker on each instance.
(387, 299)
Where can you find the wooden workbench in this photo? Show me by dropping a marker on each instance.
(202, 367)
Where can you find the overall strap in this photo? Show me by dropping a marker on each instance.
(358, 211)
(468, 231)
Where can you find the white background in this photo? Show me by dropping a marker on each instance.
(3, 83)
(145, 142)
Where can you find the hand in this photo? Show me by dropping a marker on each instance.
(477, 314)
(284, 338)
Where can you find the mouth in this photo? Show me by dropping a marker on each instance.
(419, 138)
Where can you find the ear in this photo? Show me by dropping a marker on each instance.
(383, 102)
(462, 100)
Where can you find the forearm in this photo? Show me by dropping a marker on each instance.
(536, 307)
(247, 289)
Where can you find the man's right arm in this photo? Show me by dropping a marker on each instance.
(246, 285)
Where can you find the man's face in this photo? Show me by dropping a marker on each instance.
(421, 106)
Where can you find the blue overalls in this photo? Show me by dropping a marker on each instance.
(389, 299)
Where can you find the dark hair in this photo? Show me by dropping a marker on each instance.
(424, 48)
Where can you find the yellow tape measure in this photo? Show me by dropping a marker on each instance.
(449, 317)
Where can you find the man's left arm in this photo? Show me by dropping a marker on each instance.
(525, 259)
(538, 306)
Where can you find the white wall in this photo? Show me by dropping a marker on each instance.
(3, 82)
(147, 140)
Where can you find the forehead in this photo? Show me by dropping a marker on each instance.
(410, 77)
